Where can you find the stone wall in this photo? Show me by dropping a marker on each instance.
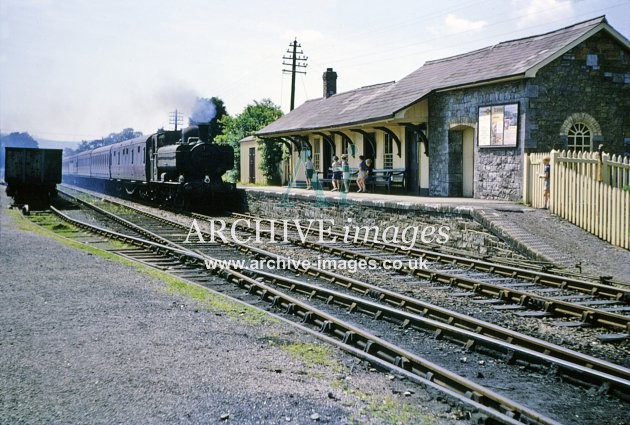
(497, 171)
(569, 86)
(464, 232)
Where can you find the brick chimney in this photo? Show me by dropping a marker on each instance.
(330, 82)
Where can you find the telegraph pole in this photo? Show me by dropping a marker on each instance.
(176, 118)
(298, 60)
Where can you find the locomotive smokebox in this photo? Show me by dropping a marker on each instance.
(204, 133)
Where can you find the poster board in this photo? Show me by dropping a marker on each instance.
(498, 125)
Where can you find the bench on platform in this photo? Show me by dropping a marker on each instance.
(387, 178)
(326, 182)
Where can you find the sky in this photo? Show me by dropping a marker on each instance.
(73, 70)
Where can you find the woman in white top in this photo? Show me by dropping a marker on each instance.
(336, 174)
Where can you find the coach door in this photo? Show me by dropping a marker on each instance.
(252, 165)
(153, 166)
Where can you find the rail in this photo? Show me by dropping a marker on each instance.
(384, 353)
(420, 314)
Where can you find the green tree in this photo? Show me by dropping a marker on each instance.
(208, 111)
(247, 123)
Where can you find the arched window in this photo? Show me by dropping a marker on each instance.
(579, 137)
(580, 131)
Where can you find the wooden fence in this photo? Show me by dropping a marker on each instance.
(589, 189)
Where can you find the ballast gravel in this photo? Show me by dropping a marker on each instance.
(88, 340)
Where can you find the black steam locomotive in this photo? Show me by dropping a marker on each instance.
(183, 169)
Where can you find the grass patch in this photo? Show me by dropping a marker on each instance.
(212, 301)
(44, 225)
(315, 355)
(392, 411)
(108, 206)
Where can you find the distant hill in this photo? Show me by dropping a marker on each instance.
(56, 144)
(51, 144)
(18, 140)
(23, 139)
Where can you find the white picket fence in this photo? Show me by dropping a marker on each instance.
(589, 189)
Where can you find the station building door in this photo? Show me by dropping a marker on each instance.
(468, 162)
(461, 161)
(252, 165)
(416, 163)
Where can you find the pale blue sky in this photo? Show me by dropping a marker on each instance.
(80, 69)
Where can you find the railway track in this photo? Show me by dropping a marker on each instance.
(529, 292)
(405, 312)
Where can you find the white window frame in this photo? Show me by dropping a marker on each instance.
(580, 137)
(316, 152)
(388, 151)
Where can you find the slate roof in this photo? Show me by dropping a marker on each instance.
(509, 59)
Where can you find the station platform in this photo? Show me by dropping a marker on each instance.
(534, 232)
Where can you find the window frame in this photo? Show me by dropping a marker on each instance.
(388, 151)
(575, 132)
(317, 152)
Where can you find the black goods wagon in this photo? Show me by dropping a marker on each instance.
(32, 175)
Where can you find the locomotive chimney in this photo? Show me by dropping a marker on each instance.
(330, 82)
(204, 133)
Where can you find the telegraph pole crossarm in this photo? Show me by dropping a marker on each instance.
(298, 60)
(175, 118)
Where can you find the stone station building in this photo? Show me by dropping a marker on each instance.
(461, 125)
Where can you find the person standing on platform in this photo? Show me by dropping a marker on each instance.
(308, 166)
(369, 180)
(547, 183)
(336, 174)
(345, 173)
(362, 174)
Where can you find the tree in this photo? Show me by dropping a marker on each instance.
(253, 118)
(16, 140)
(208, 111)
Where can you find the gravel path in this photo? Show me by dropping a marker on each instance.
(84, 339)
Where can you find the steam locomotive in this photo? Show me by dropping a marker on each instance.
(182, 169)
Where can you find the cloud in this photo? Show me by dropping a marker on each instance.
(456, 25)
(542, 11)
